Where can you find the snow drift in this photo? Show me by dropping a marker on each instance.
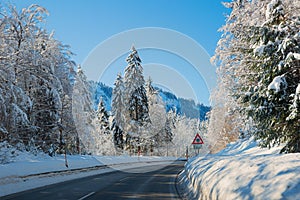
(243, 171)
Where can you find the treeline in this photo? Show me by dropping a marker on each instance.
(139, 122)
(47, 106)
(35, 84)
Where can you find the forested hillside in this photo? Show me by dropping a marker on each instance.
(182, 106)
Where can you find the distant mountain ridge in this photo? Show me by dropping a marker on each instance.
(182, 106)
(100, 90)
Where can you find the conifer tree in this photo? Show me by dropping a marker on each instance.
(135, 93)
(118, 110)
(103, 117)
(259, 58)
(136, 102)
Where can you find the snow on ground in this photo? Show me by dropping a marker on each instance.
(28, 171)
(243, 171)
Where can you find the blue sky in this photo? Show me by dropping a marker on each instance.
(84, 24)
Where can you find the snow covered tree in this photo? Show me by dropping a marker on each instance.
(184, 131)
(118, 110)
(276, 49)
(92, 127)
(45, 116)
(15, 47)
(136, 110)
(103, 143)
(83, 111)
(170, 125)
(135, 93)
(68, 138)
(225, 122)
(31, 62)
(18, 128)
(160, 133)
(103, 117)
(259, 58)
(58, 57)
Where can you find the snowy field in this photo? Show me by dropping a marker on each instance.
(243, 171)
(28, 171)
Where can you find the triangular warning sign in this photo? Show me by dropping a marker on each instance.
(197, 140)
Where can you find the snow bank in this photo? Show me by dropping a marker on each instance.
(28, 171)
(243, 171)
(26, 164)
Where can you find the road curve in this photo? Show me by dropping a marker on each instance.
(147, 184)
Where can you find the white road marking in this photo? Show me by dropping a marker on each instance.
(123, 179)
(86, 196)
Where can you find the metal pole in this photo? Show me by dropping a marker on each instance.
(187, 152)
(167, 149)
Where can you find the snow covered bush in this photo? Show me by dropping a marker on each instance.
(7, 153)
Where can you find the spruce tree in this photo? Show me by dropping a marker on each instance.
(136, 102)
(259, 57)
(103, 117)
(135, 93)
(276, 51)
(118, 110)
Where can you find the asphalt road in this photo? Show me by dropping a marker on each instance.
(147, 184)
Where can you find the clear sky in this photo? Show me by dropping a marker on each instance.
(84, 24)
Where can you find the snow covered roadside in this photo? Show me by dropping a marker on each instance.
(28, 171)
(243, 171)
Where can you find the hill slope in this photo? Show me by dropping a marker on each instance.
(182, 106)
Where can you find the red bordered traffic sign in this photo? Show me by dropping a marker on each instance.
(197, 140)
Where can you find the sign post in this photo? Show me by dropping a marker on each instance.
(187, 153)
(197, 142)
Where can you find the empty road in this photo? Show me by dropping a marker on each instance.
(146, 184)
